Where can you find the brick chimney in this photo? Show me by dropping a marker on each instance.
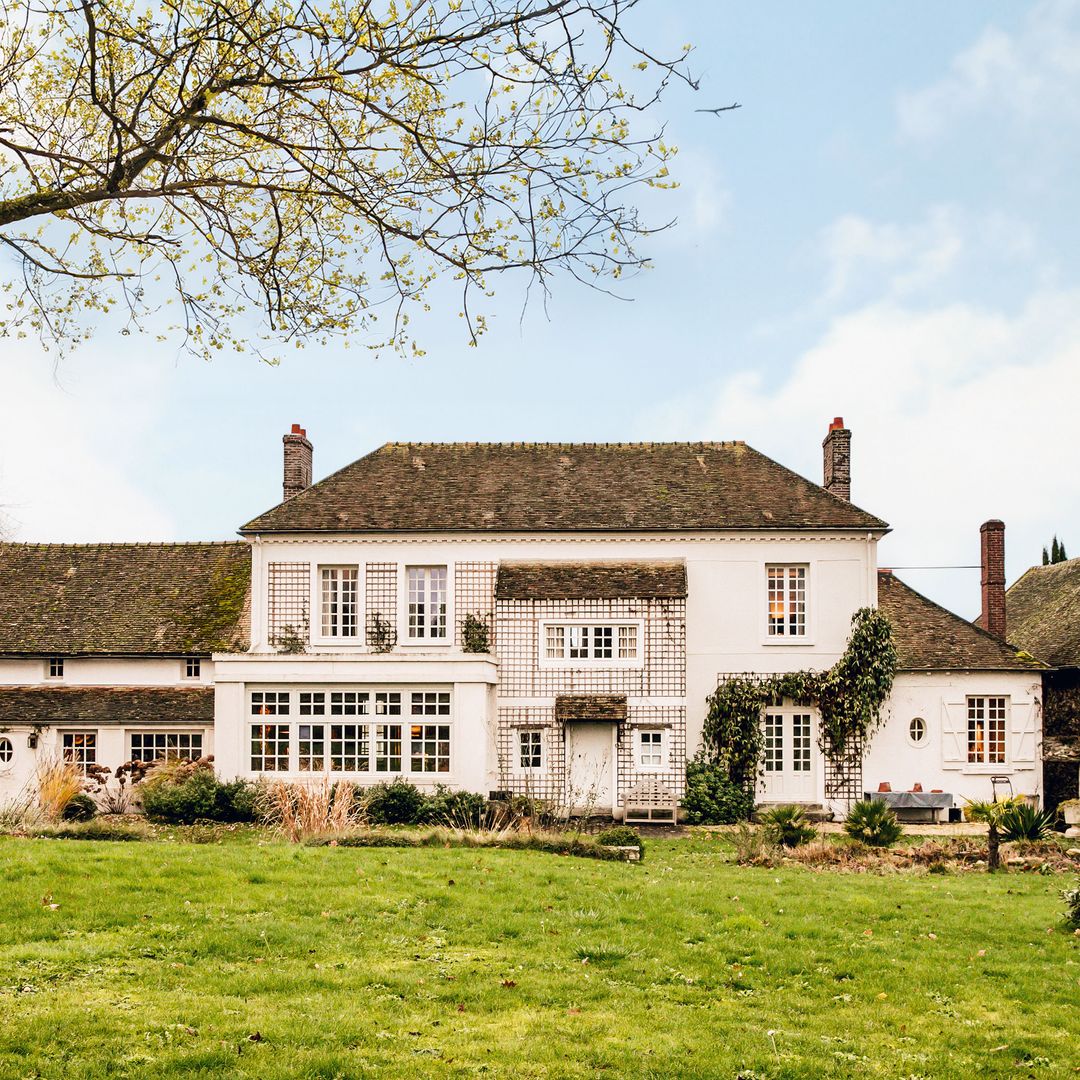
(992, 545)
(297, 461)
(837, 448)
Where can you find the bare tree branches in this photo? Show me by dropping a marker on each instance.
(287, 170)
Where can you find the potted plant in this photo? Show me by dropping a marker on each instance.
(1070, 809)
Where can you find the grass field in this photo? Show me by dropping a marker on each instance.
(265, 960)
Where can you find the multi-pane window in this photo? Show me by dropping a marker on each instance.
(310, 746)
(388, 748)
(269, 747)
(787, 601)
(338, 601)
(651, 749)
(430, 748)
(580, 642)
(800, 742)
(56, 667)
(426, 602)
(192, 667)
(348, 703)
(530, 748)
(270, 703)
(388, 703)
(7, 751)
(349, 748)
(80, 748)
(312, 703)
(431, 703)
(165, 745)
(773, 756)
(986, 730)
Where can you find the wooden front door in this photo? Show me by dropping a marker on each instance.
(590, 767)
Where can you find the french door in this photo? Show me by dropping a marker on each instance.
(789, 761)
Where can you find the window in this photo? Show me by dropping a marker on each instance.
(430, 748)
(773, 759)
(192, 667)
(651, 750)
(338, 601)
(80, 748)
(986, 730)
(787, 601)
(7, 751)
(165, 745)
(576, 642)
(349, 748)
(348, 703)
(530, 748)
(56, 667)
(269, 747)
(387, 704)
(431, 703)
(270, 703)
(388, 748)
(427, 602)
(917, 731)
(312, 703)
(310, 746)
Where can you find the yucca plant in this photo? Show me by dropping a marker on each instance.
(787, 826)
(873, 822)
(993, 815)
(1026, 822)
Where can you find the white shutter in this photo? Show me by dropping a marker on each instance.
(1022, 718)
(953, 734)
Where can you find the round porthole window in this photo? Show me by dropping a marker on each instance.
(917, 731)
(7, 751)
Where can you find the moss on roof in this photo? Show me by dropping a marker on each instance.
(123, 599)
(1043, 612)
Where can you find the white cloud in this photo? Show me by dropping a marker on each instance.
(959, 414)
(68, 441)
(1032, 73)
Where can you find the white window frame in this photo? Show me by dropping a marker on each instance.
(925, 740)
(190, 733)
(807, 635)
(299, 707)
(983, 763)
(656, 747)
(519, 733)
(404, 601)
(80, 761)
(191, 668)
(614, 661)
(318, 636)
(54, 668)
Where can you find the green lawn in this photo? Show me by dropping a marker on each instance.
(265, 960)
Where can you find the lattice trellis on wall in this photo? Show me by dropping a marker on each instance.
(672, 719)
(381, 593)
(521, 674)
(474, 594)
(288, 600)
(844, 772)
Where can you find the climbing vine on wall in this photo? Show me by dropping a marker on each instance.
(849, 697)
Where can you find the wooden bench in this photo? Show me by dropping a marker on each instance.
(648, 803)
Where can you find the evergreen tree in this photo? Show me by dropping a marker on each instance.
(1046, 558)
(1055, 551)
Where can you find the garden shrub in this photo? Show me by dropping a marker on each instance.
(621, 836)
(1072, 904)
(874, 823)
(96, 829)
(712, 797)
(460, 809)
(397, 803)
(183, 792)
(79, 808)
(787, 826)
(754, 848)
(1026, 822)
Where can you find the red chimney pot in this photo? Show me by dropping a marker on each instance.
(296, 429)
(837, 424)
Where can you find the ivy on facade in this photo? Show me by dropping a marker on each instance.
(849, 698)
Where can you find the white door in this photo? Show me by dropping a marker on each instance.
(789, 759)
(590, 772)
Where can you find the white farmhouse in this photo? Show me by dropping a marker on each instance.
(543, 619)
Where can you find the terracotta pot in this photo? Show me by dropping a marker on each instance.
(936, 791)
(917, 787)
(884, 786)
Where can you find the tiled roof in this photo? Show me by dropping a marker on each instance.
(930, 638)
(570, 707)
(590, 581)
(123, 599)
(562, 487)
(106, 704)
(1043, 613)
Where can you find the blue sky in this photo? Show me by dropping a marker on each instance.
(887, 231)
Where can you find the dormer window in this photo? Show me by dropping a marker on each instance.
(55, 667)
